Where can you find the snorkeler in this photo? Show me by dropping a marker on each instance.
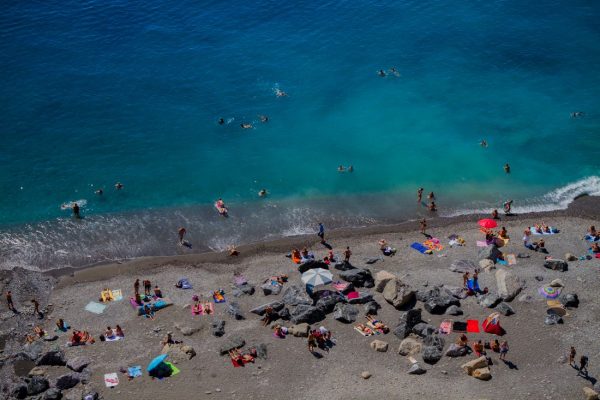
(483, 143)
(341, 168)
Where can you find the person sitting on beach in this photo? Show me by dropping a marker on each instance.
(527, 240)
(386, 249)
(592, 231)
(108, 333)
(168, 339)
(278, 332)
(157, 292)
(432, 207)
(75, 338)
(148, 313)
(306, 256)
(595, 248)
(325, 333)
(503, 234)
(495, 345)
(119, 332)
(268, 317)
(39, 331)
(60, 324)
(465, 279)
(106, 295)
(478, 348)
(197, 308)
(207, 309)
(462, 340)
(326, 260)
(296, 255)
(331, 256)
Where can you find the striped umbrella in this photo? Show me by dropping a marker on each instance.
(549, 292)
(317, 277)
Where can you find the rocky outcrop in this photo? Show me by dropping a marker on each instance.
(483, 374)
(381, 279)
(489, 300)
(345, 312)
(52, 357)
(408, 320)
(306, 313)
(270, 289)
(509, 285)
(327, 303)
(504, 309)
(456, 351)
(472, 365)
(359, 277)
(218, 328)
(37, 385)
(462, 266)
(233, 342)
(398, 294)
(556, 265)
(67, 381)
(415, 369)
(260, 310)
(77, 364)
(235, 311)
(293, 296)
(371, 308)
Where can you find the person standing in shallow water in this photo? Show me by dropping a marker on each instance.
(321, 233)
(419, 195)
(423, 224)
(76, 210)
(181, 232)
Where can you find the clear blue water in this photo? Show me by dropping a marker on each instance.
(99, 92)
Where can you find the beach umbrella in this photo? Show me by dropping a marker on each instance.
(487, 223)
(317, 277)
(156, 362)
(549, 292)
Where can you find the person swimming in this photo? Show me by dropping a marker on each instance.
(577, 114)
(351, 169)
(262, 193)
(118, 186)
(483, 143)
(99, 192)
(280, 93)
(246, 125)
(381, 73)
(341, 168)
(221, 121)
(507, 168)
(263, 118)
(394, 71)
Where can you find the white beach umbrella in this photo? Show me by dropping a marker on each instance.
(317, 277)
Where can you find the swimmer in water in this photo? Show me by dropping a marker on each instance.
(280, 93)
(394, 71)
(507, 168)
(577, 114)
(483, 143)
(118, 186)
(381, 73)
(246, 126)
(341, 168)
(221, 121)
(262, 193)
(76, 210)
(419, 195)
(351, 169)
(99, 192)
(263, 118)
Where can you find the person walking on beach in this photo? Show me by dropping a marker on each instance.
(9, 301)
(321, 233)
(507, 168)
(503, 350)
(147, 287)
(419, 195)
(36, 308)
(76, 210)
(181, 232)
(572, 354)
(347, 255)
(583, 363)
(312, 341)
(507, 206)
(136, 286)
(423, 224)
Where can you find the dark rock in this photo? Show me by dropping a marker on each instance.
(52, 394)
(359, 277)
(343, 266)
(283, 314)
(270, 289)
(489, 300)
(424, 329)
(77, 364)
(489, 252)
(363, 297)
(556, 265)
(235, 311)
(52, 357)
(85, 376)
(455, 291)
(67, 381)
(293, 296)
(345, 312)
(261, 351)
(233, 342)
(37, 385)
(539, 278)
(570, 300)
(302, 268)
(247, 289)
(434, 341)
(327, 303)
(371, 308)
(408, 320)
(19, 391)
(260, 310)
(50, 338)
(431, 354)
(553, 319)
(437, 301)
(456, 351)
(504, 309)
(218, 328)
(462, 266)
(416, 369)
(454, 310)
(306, 313)
(94, 395)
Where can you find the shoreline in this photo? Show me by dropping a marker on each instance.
(583, 207)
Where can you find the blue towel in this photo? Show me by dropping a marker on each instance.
(419, 247)
(135, 371)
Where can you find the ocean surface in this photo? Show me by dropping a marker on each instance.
(99, 92)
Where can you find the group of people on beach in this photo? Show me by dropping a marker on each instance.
(430, 197)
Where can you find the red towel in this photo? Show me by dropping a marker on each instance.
(472, 326)
(353, 295)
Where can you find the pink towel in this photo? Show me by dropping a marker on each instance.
(353, 295)
(481, 244)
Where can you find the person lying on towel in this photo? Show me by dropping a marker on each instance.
(380, 326)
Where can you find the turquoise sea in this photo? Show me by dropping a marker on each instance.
(99, 92)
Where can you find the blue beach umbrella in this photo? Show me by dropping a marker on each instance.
(156, 362)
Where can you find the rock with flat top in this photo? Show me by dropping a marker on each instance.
(309, 314)
(456, 351)
(483, 374)
(556, 265)
(260, 310)
(398, 293)
(345, 312)
(509, 285)
(67, 381)
(233, 342)
(359, 277)
(590, 394)
(379, 345)
(294, 295)
(52, 357)
(409, 346)
(462, 266)
(416, 369)
(381, 279)
(77, 364)
(299, 330)
(472, 365)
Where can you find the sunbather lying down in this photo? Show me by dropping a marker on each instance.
(377, 324)
(106, 295)
(242, 358)
(365, 330)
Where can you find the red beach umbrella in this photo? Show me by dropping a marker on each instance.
(487, 223)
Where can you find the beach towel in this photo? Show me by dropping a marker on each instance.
(446, 327)
(512, 260)
(536, 232)
(106, 295)
(184, 283)
(111, 380)
(219, 297)
(117, 295)
(161, 303)
(114, 338)
(340, 286)
(364, 332)
(353, 295)
(95, 308)
(134, 371)
(420, 248)
(459, 326)
(481, 243)
(174, 369)
(133, 303)
(501, 262)
(472, 326)
(433, 244)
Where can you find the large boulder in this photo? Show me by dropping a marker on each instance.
(52, 357)
(67, 381)
(490, 252)
(294, 295)
(456, 351)
(345, 312)
(435, 341)
(379, 345)
(233, 342)
(483, 374)
(569, 300)
(454, 310)
(590, 394)
(306, 313)
(504, 309)
(381, 279)
(556, 265)
(487, 265)
(509, 285)
(245, 289)
(77, 364)
(359, 277)
(398, 293)
(37, 385)
(52, 394)
(235, 311)
(489, 300)
(19, 390)
(270, 289)
(415, 369)
(327, 303)
(458, 292)
(218, 328)
(553, 319)
(424, 329)
(408, 320)
(472, 365)
(302, 268)
(437, 301)
(409, 346)
(431, 354)
(260, 310)
(371, 308)
(462, 266)
(300, 330)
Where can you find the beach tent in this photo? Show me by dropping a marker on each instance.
(492, 324)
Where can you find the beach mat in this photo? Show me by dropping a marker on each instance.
(446, 327)
(220, 299)
(117, 295)
(553, 231)
(95, 308)
(481, 244)
(114, 338)
(111, 380)
(459, 326)
(473, 326)
(419, 247)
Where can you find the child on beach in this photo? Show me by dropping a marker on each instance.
(423, 224)
(347, 255)
(503, 350)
